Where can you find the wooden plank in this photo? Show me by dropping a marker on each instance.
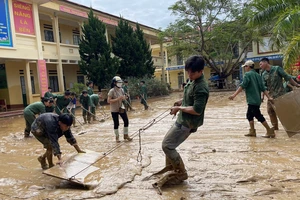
(76, 168)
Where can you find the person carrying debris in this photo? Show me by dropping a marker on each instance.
(85, 101)
(47, 129)
(143, 94)
(116, 97)
(272, 79)
(95, 101)
(191, 115)
(33, 109)
(253, 86)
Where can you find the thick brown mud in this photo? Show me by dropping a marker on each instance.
(221, 162)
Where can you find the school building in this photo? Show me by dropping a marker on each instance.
(39, 47)
(175, 74)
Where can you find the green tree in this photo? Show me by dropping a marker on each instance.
(145, 53)
(95, 53)
(216, 29)
(282, 20)
(132, 50)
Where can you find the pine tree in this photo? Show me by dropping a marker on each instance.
(95, 53)
(123, 45)
(146, 64)
(133, 51)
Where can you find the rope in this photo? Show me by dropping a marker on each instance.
(136, 133)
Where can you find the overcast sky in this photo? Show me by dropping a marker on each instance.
(153, 13)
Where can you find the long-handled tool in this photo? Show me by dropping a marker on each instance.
(127, 103)
(100, 120)
(106, 116)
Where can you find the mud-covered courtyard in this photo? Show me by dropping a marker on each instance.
(221, 162)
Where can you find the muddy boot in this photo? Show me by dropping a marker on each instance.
(94, 118)
(252, 133)
(274, 121)
(167, 168)
(270, 133)
(146, 107)
(26, 134)
(74, 123)
(172, 177)
(84, 118)
(126, 137)
(117, 135)
(43, 163)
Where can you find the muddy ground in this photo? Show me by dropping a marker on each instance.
(221, 162)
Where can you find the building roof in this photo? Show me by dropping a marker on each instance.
(86, 7)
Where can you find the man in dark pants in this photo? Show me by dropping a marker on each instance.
(47, 129)
(143, 94)
(85, 101)
(253, 86)
(191, 115)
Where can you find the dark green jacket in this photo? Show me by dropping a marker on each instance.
(90, 91)
(35, 108)
(196, 94)
(85, 101)
(253, 86)
(273, 81)
(94, 100)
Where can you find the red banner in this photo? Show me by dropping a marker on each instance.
(23, 18)
(42, 72)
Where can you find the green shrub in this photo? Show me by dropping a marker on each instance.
(77, 88)
(154, 87)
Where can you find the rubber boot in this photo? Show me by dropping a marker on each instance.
(26, 134)
(117, 135)
(167, 168)
(125, 132)
(178, 175)
(89, 118)
(270, 133)
(252, 133)
(42, 160)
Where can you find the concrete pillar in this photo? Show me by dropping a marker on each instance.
(163, 63)
(28, 83)
(37, 31)
(167, 65)
(59, 67)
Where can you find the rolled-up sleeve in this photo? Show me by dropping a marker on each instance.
(200, 100)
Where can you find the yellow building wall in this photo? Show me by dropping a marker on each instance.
(66, 34)
(13, 82)
(70, 72)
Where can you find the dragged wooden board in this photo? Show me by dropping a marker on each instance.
(287, 108)
(76, 168)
